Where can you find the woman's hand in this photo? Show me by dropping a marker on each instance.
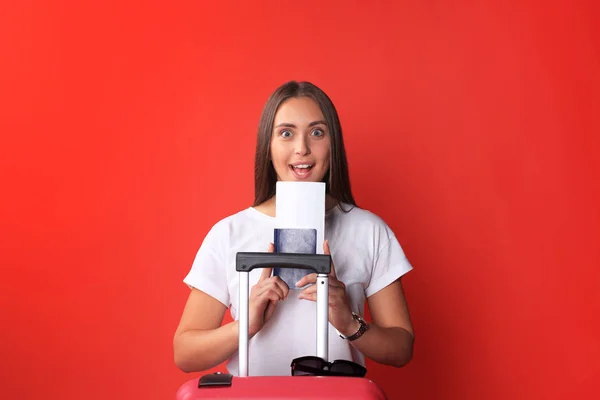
(340, 313)
(264, 296)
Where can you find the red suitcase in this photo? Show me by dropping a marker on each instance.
(226, 386)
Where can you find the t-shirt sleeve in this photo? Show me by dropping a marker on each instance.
(208, 272)
(389, 265)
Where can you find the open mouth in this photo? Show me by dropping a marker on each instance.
(301, 170)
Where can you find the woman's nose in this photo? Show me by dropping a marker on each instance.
(301, 146)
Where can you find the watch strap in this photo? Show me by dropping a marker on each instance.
(361, 329)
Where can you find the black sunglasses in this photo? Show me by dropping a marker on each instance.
(316, 366)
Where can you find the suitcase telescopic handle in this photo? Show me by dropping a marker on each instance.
(320, 263)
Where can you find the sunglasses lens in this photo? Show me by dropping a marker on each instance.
(347, 368)
(317, 366)
(307, 366)
(301, 372)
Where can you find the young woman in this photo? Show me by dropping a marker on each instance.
(299, 139)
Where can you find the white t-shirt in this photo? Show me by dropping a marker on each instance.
(366, 255)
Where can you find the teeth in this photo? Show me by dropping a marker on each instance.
(302, 166)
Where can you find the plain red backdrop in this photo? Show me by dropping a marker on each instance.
(472, 127)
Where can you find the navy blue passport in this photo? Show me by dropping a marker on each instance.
(294, 241)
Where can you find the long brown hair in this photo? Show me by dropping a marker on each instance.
(336, 179)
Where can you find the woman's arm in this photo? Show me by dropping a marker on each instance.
(200, 342)
(390, 337)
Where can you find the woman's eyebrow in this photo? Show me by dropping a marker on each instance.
(288, 125)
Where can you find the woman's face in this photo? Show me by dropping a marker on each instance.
(300, 141)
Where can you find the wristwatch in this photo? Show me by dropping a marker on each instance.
(364, 326)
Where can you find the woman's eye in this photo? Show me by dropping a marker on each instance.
(286, 134)
(318, 132)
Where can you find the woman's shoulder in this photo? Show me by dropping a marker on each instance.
(357, 215)
(352, 218)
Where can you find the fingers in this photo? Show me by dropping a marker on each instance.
(334, 300)
(282, 285)
(270, 286)
(276, 284)
(272, 295)
(308, 296)
(306, 279)
(309, 290)
(337, 289)
(265, 303)
(312, 278)
(326, 250)
(334, 285)
(266, 272)
(273, 286)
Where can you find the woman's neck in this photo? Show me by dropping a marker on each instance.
(268, 207)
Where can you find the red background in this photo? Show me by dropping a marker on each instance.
(472, 127)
